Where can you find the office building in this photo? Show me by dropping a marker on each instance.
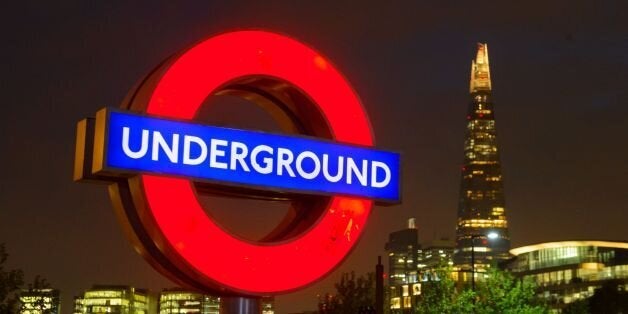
(568, 271)
(105, 299)
(39, 301)
(481, 206)
(437, 254)
(174, 301)
(402, 249)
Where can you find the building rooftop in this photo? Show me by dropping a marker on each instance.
(571, 243)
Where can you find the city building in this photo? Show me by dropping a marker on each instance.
(174, 301)
(406, 294)
(402, 248)
(405, 297)
(437, 254)
(39, 301)
(481, 207)
(411, 267)
(114, 300)
(568, 271)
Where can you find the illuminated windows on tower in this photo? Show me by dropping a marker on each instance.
(481, 209)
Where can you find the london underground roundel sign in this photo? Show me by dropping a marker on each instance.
(156, 159)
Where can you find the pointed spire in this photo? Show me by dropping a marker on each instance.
(480, 71)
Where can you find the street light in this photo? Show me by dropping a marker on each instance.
(491, 236)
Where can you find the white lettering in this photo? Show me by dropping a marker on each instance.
(215, 152)
(268, 161)
(238, 153)
(380, 165)
(317, 165)
(187, 141)
(284, 162)
(339, 173)
(126, 147)
(171, 152)
(353, 168)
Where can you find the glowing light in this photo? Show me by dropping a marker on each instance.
(197, 74)
(561, 244)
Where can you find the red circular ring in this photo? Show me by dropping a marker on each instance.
(214, 253)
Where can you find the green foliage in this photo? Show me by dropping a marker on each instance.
(500, 293)
(10, 283)
(439, 295)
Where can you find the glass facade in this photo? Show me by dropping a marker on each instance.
(481, 207)
(176, 301)
(402, 248)
(438, 254)
(113, 299)
(571, 270)
(39, 301)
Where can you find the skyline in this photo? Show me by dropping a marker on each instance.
(411, 74)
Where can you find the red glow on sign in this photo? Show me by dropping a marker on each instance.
(182, 224)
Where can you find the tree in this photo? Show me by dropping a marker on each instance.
(439, 295)
(499, 293)
(502, 293)
(353, 295)
(10, 283)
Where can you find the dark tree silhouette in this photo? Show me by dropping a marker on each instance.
(608, 299)
(10, 283)
(353, 295)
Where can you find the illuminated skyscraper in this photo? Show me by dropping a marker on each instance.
(481, 208)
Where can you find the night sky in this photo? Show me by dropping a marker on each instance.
(559, 70)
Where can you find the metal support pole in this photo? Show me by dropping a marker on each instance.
(379, 286)
(240, 305)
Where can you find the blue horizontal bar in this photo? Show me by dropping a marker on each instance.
(142, 144)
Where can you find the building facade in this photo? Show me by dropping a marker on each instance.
(40, 301)
(437, 254)
(411, 267)
(481, 206)
(568, 271)
(114, 300)
(175, 301)
(402, 248)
